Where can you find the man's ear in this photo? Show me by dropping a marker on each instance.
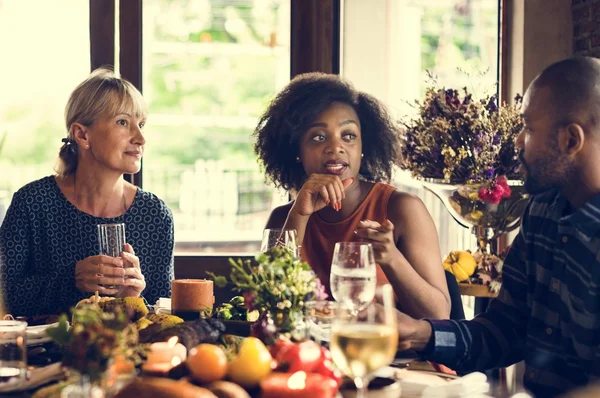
(80, 135)
(571, 139)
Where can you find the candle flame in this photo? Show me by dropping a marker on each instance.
(175, 361)
(297, 381)
(172, 342)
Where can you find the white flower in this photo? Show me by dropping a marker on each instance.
(281, 305)
(286, 304)
(276, 291)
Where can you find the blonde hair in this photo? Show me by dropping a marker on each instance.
(103, 93)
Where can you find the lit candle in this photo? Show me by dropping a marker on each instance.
(298, 385)
(164, 355)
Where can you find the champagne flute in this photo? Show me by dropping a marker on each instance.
(353, 274)
(360, 345)
(287, 238)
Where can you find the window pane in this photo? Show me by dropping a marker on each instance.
(45, 54)
(399, 42)
(210, 69)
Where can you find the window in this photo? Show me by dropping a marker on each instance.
(44, 58)
(398, 43)
(209, 70)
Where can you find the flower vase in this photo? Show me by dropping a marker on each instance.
(289, 322)
(487, 220)
(83, 386)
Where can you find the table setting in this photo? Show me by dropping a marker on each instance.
(279, 337)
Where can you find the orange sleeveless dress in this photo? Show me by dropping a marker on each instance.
(320, 236)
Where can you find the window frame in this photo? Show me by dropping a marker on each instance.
(315, 46)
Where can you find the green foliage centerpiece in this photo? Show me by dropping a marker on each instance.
(277, 284)
(94, 339)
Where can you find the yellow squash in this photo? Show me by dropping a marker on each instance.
(461, 264)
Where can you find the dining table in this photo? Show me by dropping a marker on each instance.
(407, 371)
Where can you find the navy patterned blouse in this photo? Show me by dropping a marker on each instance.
(43, 236)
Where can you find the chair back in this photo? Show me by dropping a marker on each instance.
(456, 306)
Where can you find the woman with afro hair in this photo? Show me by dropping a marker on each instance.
(335, 147)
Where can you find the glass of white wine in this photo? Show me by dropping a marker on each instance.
(361, 344)
(353, 275)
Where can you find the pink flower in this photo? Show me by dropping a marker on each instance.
(320, 292)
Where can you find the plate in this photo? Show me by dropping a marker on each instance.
(36, 335)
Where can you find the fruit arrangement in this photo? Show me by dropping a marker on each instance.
(476, 268)
(217, 365)
(253, 366)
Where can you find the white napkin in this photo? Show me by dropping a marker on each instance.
(423, 384)
(37, 334)
(163, 306)
(318, 332)
(35, 378)
(473, 385)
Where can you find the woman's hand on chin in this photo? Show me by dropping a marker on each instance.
(321, 190)
(134, 283)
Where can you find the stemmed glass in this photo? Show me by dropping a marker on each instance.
(361, 344)
(353, 274)
(280, 237)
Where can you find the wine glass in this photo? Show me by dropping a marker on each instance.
(320, 315)
(287, 238)
(362, 344)
(353, 274)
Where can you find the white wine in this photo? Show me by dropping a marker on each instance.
(354, 287)
(360, 349)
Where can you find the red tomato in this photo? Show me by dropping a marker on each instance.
(325, 353)
(279, 345)
(328, 369)
(276, 385)
(304, 356)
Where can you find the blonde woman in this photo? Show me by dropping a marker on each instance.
(48, 240)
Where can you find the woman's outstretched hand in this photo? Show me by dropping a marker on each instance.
(381, 236)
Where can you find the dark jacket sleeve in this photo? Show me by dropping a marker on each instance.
(495, 338)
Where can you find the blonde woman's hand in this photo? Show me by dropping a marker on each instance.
(134, 282)
(321, 190)
(95, 272)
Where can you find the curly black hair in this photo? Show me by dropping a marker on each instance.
(286, 120)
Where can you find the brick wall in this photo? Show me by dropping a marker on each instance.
(586, 27)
